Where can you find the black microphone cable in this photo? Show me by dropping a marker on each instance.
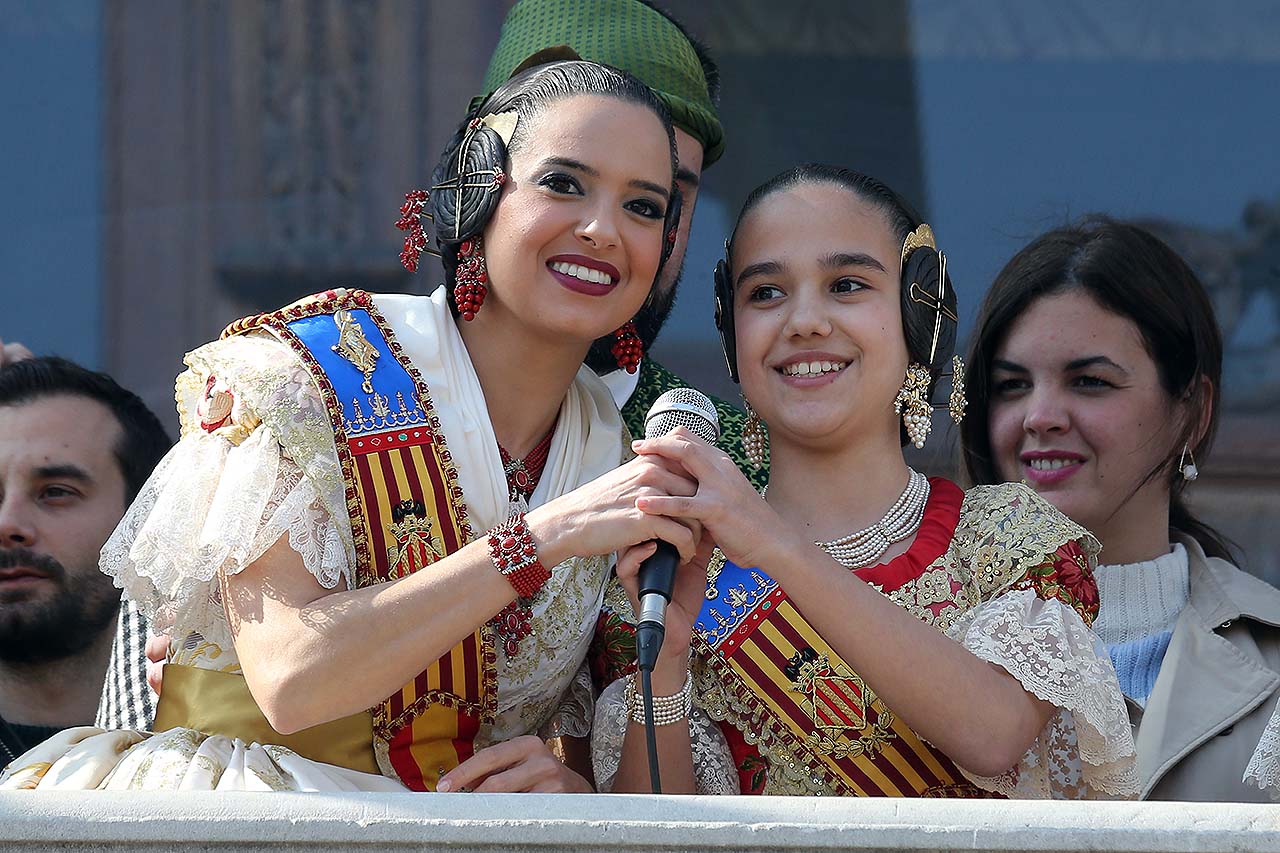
(693, 410)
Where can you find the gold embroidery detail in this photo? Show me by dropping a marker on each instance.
(714, 567)
(415, 546)
(1006, 531)
(869, 743)
(355, 347)
(834, 696)
(936, 586)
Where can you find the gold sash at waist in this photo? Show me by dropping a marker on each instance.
(219, 703)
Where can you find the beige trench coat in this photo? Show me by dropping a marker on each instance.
(1217, 688)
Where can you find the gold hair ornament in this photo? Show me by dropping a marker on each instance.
(921, 238)
(503, 124)
(918, 239)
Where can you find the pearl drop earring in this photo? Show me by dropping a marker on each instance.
(1189, 470)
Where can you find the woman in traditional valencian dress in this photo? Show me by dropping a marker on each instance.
(943, 649)
(342, 525)
(1109, 427)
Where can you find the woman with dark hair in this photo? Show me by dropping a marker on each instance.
(1096, 370)
(941, 649)
(396, 502)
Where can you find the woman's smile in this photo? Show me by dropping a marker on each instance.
(584, 275)
(1048, 467)
(819, 333)
(810, 369)
(1071, 373)
(575, 244)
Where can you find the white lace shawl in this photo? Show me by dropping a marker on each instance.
(1085, 751)
(213, 506)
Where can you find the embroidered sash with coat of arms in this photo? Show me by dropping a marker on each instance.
(406, 511)
(780, 689)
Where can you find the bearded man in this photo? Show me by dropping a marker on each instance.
(75, 448)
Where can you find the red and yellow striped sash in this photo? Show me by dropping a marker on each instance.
(783, 670)
(406, 511)
(789, 690)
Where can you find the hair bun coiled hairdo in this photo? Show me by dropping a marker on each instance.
(723, 282)
(466, 184)
(928, 309)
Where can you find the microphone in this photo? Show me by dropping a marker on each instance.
(693, 410)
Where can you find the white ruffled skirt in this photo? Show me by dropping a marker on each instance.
(89, 758)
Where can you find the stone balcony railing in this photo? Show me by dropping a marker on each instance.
(229, 822)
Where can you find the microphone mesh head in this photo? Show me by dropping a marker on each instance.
(683, 407)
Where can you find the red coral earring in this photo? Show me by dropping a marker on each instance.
(628, 349)
(471, 278)
(412, 212)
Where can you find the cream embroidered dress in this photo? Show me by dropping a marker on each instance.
(219, 500)
(997, 570)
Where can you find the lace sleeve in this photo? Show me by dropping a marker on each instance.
(231, 487)
(1264, 765)
(713, 767)
(211, 508)
(572, 717)
(1086, 750)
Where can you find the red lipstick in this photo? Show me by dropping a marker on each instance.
(578, 285)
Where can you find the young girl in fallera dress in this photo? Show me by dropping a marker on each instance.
(944, 648)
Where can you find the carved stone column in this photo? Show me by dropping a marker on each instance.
(258, 150)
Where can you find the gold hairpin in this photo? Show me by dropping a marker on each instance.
(503, 124)
(917, 239)
(921, 238)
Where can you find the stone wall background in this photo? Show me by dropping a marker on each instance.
(252, 151)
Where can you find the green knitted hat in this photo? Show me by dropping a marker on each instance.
(625, 34)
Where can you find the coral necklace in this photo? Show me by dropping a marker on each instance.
(523, 474)
(515, 621)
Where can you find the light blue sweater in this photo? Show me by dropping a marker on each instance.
(1140, 604)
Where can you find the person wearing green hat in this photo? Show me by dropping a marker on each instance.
(649, 43)
(635, 37)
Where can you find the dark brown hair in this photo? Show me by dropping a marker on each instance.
(459, 216)
(143, 442)
(923, 265)
(1132, 273)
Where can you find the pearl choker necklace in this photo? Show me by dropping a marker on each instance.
(868, 545)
